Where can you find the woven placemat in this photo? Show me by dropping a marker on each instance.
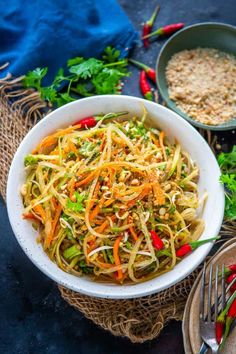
(139, 319)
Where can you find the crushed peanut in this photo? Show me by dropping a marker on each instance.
(202, 82)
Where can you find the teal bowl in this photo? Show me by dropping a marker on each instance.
(209, 34)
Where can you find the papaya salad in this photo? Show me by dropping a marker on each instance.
(113, 198)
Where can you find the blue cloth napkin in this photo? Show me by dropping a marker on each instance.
(40, 33)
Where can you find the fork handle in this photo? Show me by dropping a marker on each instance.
(204, 348)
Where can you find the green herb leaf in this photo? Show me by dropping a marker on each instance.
(107, 81)
(88, 148)
(71, 155)
(84, 267)
(59, 78)
(111, 54)
(227, 162)
(33, 78)
(229, 180)
(84, 90)
(49, 94)
(128, 245)
(78, 205)
(87, 77)
(64, 98)
(75, 61)
(30, 160)
(87, 68)
(110, 256)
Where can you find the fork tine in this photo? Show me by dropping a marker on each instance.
(209, 295)
(202, 292)
(223, 294)
(216, 292)
(230, 285)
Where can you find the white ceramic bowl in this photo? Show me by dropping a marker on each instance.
(174, 126)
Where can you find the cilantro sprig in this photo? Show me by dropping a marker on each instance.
(83, 77)
(227, 162)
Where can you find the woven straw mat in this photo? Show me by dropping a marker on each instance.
(139, 319)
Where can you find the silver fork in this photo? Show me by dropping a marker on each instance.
(222, 301)
(207, 324)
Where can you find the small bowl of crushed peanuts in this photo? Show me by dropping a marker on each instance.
(196, 75)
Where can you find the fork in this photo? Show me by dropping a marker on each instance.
(221, 298)
(207, 324)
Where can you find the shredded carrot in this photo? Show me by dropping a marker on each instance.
(156, 142)
(49, 238)
(96, 210)
(103, 142)
(46, 142)
(159, 193)
(72, 187)
(104, 265)
(39, 210)
(31, 216)
(98, 222)
(72, 147)
(117, 258)
(109, 202)
(52, 139)
(143, 194)
(131, 229)
(103, 226)
(53, 203)
(112, 175)
(67, 130)
(118, 140)
(99, 229)
(85, 180)
(95, 194)
(91, 247)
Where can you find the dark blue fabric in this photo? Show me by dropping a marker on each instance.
(48, 32)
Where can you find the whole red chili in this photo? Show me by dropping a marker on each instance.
(166, 30)
(227, 317)
(144, 86)
(219, 330)
(230, 269)
(90, 122)
(229, 279)
(147, 27)
(151, 73)
(156, 241)
(191, 246)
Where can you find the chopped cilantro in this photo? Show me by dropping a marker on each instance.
(84, 267)
(30, 160)
(78, 205)
(110, 256)
(167, 151)
(88, 148)
(128, 245)
(172, 209)
(71, 155)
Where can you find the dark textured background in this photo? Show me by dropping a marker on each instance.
(33, 317)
